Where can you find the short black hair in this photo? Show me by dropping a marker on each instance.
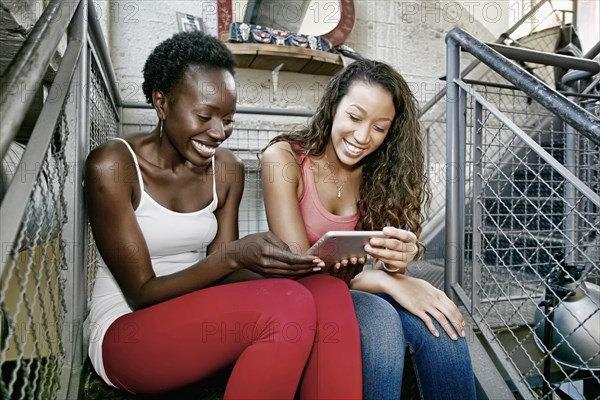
(167, 63)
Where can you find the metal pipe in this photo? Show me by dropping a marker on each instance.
(590, 87)
(540, 57)
(575, 75)
(97, 38)
(512, 87)
(578, 118)
(24, 74)
(287, 112)
(548, 329)
(136, 104)
(570, 195)
(593, 52)
(454, 169)
(460, 185)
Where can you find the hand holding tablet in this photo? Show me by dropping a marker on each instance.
(335, 246)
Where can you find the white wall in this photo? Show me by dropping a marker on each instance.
(408, 35)
(588, 23)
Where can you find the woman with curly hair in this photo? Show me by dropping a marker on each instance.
(359, 165)
(163, 207)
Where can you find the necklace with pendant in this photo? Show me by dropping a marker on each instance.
(339, 188)
(336, 181)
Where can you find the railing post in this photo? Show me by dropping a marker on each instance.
(74, 230)
(570, 162)
(454, 171)
(477, 174)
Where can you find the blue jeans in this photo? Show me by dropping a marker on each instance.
(442, 366)
(382, 346)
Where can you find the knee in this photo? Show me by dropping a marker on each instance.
(448, 348)
(325, 284)
(378, 320)
(420, 339)
(290, 299)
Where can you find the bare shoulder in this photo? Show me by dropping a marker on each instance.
(229, 169)
(110, 161)
(279, 165)
(227, 160)
(279, 152)
(106, 154)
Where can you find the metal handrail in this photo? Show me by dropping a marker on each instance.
(581, 120)
(540, 57)
(459, 92)
(27, 68)
(287, 112)
(497, 85)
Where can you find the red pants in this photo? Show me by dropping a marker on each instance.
(266, 327)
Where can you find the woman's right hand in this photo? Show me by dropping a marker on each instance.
(347, 269)
(267, 255)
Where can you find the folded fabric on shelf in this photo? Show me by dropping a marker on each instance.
(242, 32)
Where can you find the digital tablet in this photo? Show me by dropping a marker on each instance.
(338, 245)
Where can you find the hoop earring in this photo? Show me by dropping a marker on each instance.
(160, 133)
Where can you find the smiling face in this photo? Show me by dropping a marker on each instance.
(361, 122)
(198, 114)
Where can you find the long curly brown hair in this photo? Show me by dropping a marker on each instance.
(394, 187)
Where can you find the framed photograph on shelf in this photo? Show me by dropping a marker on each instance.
(189, 23)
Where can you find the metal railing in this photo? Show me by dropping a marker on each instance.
(48, 258)
(433, 113)
(523, 224)
(43, 234)
(35, 347)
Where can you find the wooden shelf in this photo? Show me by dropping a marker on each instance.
(294, 59)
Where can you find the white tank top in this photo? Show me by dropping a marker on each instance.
(175, 241)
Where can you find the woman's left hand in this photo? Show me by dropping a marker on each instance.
(425, 301)
(397, 250)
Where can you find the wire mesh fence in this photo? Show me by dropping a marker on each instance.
(532, 244)
(31, 286)
(103, 126)
(247, 144)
